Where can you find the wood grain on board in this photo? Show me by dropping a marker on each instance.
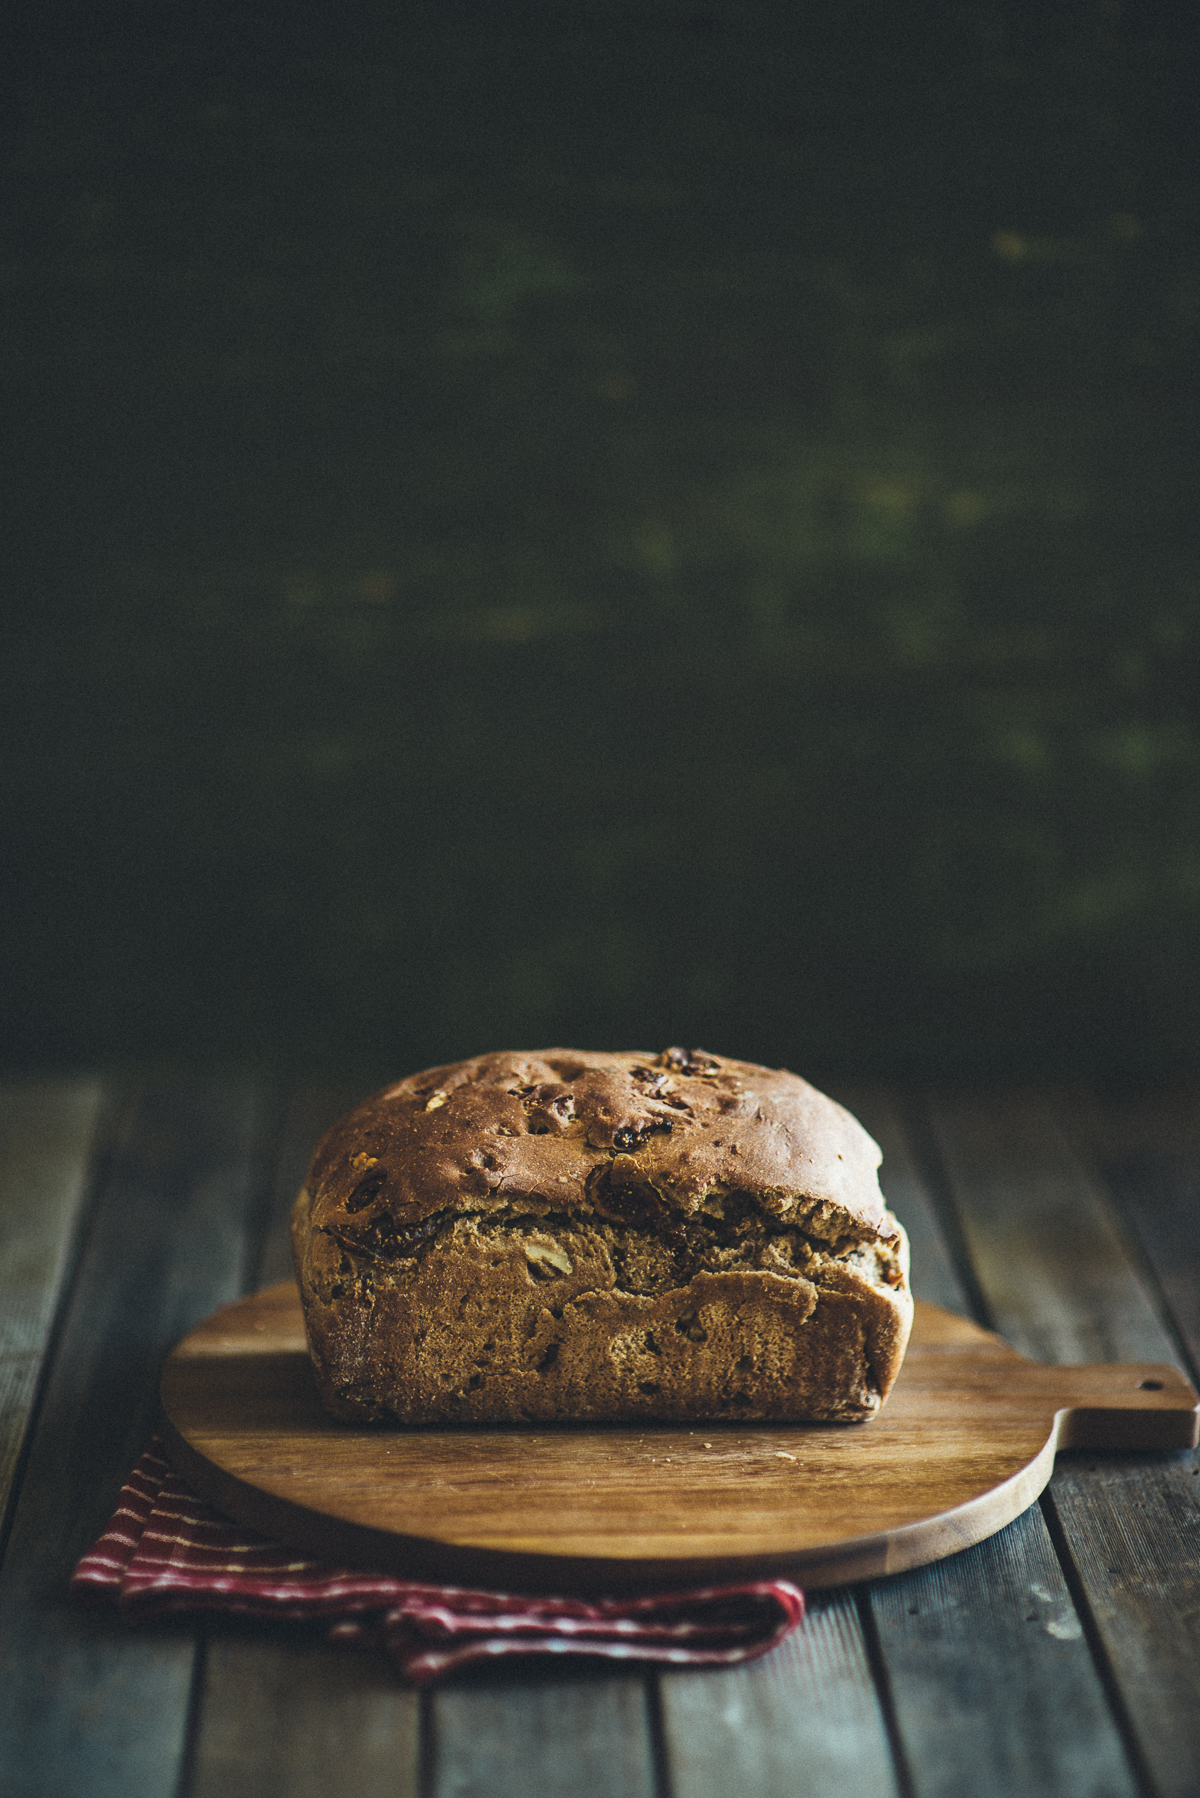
(1059, 1271)
(86, 1704)
(964, 1444)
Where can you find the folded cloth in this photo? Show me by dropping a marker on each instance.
(166, 1550)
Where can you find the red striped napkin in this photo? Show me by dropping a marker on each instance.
(166, 1550)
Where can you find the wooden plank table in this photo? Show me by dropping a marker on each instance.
(1062, 1656)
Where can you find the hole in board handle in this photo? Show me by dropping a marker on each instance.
(1150, 1385)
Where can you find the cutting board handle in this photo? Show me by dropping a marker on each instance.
(1124, 1404)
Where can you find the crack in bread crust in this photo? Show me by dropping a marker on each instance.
(645, 1260)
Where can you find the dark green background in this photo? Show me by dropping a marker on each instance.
(608, 523)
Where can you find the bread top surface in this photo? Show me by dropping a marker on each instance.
(557, 1129)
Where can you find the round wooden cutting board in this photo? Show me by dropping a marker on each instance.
(965, 1442)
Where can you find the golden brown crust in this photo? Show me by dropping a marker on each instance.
(570, 1235)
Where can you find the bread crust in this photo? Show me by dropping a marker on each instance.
(573, 1236)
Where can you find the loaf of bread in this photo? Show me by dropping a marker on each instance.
(559, 1236)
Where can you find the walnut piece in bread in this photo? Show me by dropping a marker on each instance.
(574, 1236)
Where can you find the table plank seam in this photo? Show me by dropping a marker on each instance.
(992, 1151)
(186, 1781)
(260, 1212)
(877, 1665)
(115, 1110)
(660, 1758)
(1135, 1247)
(267, 1129)
(426, 1746)
(84, 1695)
(1171, 1325)
(1106, 1672)
(1014, 1558)
(930, 1165)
